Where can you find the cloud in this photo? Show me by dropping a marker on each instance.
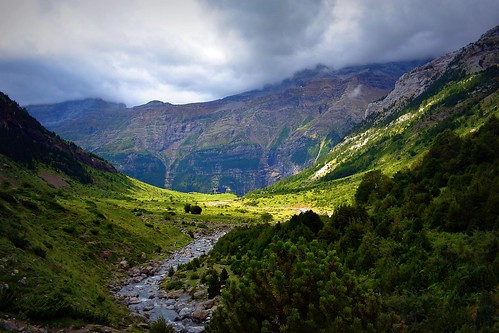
(349, 32)
(41, 81)
(194, 50)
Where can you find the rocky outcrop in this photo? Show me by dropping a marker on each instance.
(411, 85)
(241, 143)
(470, 59)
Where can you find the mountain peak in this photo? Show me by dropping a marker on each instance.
(473, 58)
(155, 103)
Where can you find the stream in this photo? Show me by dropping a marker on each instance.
(142, 295)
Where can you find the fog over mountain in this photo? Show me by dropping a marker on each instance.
(190, 51)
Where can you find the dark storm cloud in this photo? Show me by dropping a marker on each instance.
(294, 34)
(275, 28)
(193, 50)
(38, 81)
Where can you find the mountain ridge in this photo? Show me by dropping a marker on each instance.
(30, 143)
(470, 59)
(399, 134)
(240, 142)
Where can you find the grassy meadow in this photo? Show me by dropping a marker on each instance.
(62, 243)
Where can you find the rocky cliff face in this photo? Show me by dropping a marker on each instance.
(470, 59)
(241, 143)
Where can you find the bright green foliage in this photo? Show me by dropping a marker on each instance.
(419, 254)
(298, 287)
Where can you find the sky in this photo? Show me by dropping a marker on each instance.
(135, 51)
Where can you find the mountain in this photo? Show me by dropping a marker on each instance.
(29, 143)
(238, 143)
(471, 59)
(458, 91)
(409, 242)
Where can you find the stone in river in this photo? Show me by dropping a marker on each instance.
(199, 315)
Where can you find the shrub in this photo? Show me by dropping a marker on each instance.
(174, 285)
(39, 252)
(161, 326)
(266, 217)
(7, 297)
(196, 210)
(18, 240)
(69, 229)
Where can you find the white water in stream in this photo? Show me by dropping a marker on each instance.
(144, 298)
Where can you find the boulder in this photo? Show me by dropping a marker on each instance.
(208, 304)
(184, 313)
(175, 293)
(124, 264)
(199, 315)
(148, 270)
(199, 294)
(134, 272)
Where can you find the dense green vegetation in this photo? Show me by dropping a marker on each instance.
(70, 224)
(406, 239)
(61, 246)
(456, 102)
(417, 252)
(28, 143)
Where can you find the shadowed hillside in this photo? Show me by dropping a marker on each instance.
(70, 223)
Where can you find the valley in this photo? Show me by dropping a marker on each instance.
(391, 225)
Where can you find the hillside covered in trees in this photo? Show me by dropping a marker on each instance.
(416, 252)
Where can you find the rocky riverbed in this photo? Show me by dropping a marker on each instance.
(186, 310)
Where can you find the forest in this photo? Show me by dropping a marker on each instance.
(416, 252)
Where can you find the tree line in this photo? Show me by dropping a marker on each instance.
(416, 252)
